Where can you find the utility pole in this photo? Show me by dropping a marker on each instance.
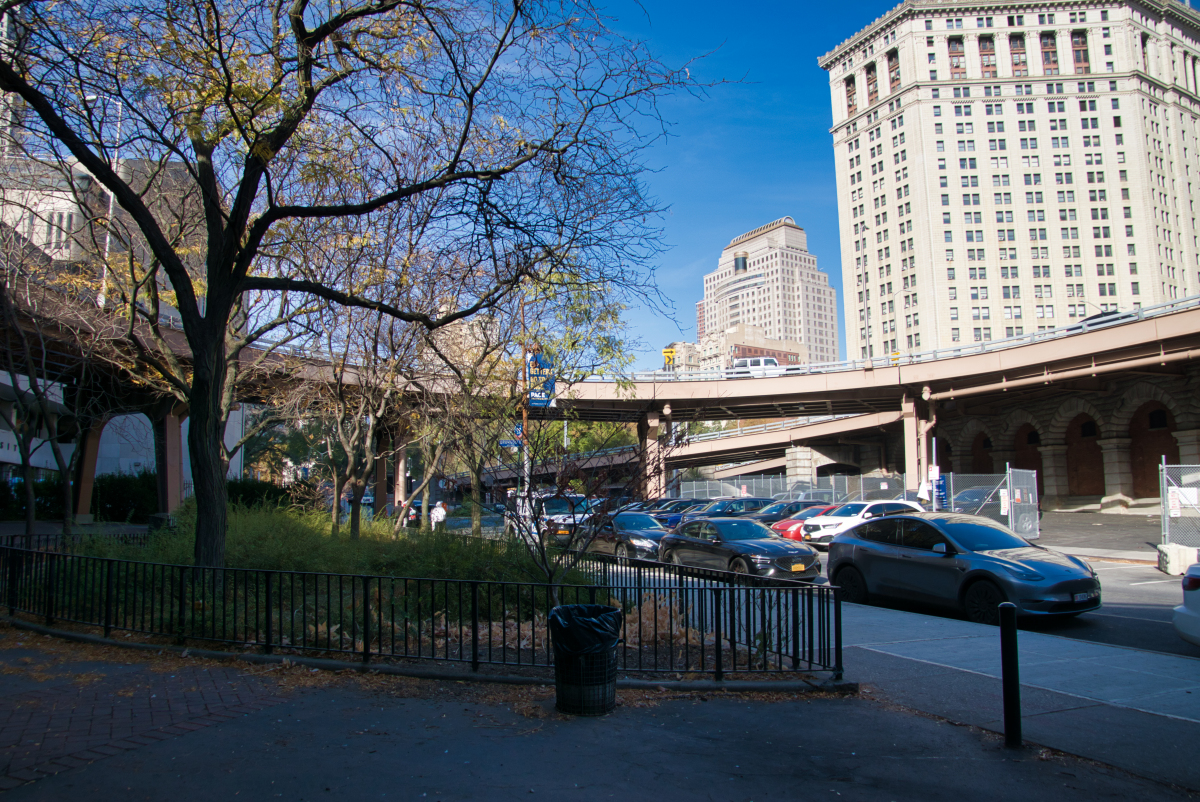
(528, 465)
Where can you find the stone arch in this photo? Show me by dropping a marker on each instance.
(1056, 431)
(1135, 397)
(1085, 458)
(1151, 441)
(1018, 418)
(1027, 454)
(966, 437)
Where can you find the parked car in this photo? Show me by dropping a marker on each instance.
(552, 517)
(1186, 617)
(824, 528)
(758, 366)
(793, 528)
(670, 515)
(975, 500)
(738, 545)
(654, 505)
(727, 508)
(628, 534)
(966, 562)
(772, 513)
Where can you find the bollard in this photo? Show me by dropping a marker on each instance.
(1010, 673)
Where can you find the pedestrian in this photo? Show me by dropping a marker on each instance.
(437, 517)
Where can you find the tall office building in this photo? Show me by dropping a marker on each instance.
(767, 278)
(1006, 167)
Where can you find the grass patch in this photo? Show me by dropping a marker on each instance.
(282, 539)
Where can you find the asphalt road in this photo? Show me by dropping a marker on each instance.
(1136, 611)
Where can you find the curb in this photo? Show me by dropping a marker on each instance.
(325, 664)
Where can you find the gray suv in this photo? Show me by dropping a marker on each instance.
(962, 561)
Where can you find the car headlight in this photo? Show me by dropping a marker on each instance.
(643, 543)
(1021, 573)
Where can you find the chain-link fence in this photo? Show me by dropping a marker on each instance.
(1009, 498)
(1179, 490)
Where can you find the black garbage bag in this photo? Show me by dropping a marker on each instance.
(585, 628)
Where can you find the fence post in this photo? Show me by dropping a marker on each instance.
(14, 574)
(49, 590)
(719, 674)
(837, 636)
(366, 627)
(108, 597)
(474, 626)
(269, 629)
(182, 600)
(795, 599)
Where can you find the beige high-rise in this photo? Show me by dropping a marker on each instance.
(1008, 167)
(767, 278)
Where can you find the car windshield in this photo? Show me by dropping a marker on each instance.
(636, 520)
(743, 530)
(679, 506)
(847, 510)
(716, 506)
(980, 536)
(811, 512)
(778, 508)
(562, 505)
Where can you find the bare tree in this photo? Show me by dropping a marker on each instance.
(522, 121)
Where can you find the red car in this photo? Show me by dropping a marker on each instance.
(793, 528)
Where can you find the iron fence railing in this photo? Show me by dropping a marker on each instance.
(675, 621)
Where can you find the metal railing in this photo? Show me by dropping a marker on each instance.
(675, 621)
(895, 359)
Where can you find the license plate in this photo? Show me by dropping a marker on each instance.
(798, 567)
(1082, 597)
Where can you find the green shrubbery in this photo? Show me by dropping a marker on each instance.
(125, 497)
(48, 499)
(274, 538)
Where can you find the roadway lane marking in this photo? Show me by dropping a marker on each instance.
(1131, 618)
(1125, 568)
(1153, 582)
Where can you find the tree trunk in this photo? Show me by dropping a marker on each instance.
(205, 434)
(357, 489)
(477, 499)
(425, 504)
(338, 484)
(30, 495)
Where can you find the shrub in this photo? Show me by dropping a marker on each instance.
(126, 497)
(256, 492)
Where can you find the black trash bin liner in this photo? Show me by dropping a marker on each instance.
(585, 638)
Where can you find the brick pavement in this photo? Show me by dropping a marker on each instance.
(58, 713)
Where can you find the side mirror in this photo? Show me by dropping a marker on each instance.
(867, 515)
(940, 548)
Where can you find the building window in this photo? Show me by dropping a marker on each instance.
(1079, 51)
(987, 56)
(851, 96)
(893, 64)
(1016, 45)
(1049, 54)
(872, 85)
(958, 61)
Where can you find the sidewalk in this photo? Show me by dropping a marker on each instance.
(1129, 708)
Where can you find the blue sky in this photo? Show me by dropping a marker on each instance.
(749, 153)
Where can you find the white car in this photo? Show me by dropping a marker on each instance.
(1187, 615)
(824, 528)
(758, 366)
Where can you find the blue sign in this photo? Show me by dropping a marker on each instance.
(519, 430)
(539, 398)
(541, 374)
(510, 443)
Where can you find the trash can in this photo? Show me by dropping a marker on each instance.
(585, 638)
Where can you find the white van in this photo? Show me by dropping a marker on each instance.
(756, 366)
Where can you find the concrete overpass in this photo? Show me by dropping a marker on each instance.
(1087, 405)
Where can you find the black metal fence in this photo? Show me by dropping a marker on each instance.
(676, 621)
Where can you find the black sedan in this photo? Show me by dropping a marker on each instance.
(774, 513)
(628, 534)
(741, 546)
(728, 508)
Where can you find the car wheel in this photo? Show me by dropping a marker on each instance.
(622, 551)
(738, 566)
(675, 559)
(981, 601)
(851, 586)
(1026, 523)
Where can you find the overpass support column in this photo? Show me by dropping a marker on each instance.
(168, 457)
(1054, 476)
(382, 444)
(85, 472)
(651, 476)
(1118, 473)
(913, 458)
(801, 465)
(1189, 446)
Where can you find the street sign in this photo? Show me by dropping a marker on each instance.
(539, 399)
(519, 430)
(510, 443)
(668, 358)
(541, 376)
